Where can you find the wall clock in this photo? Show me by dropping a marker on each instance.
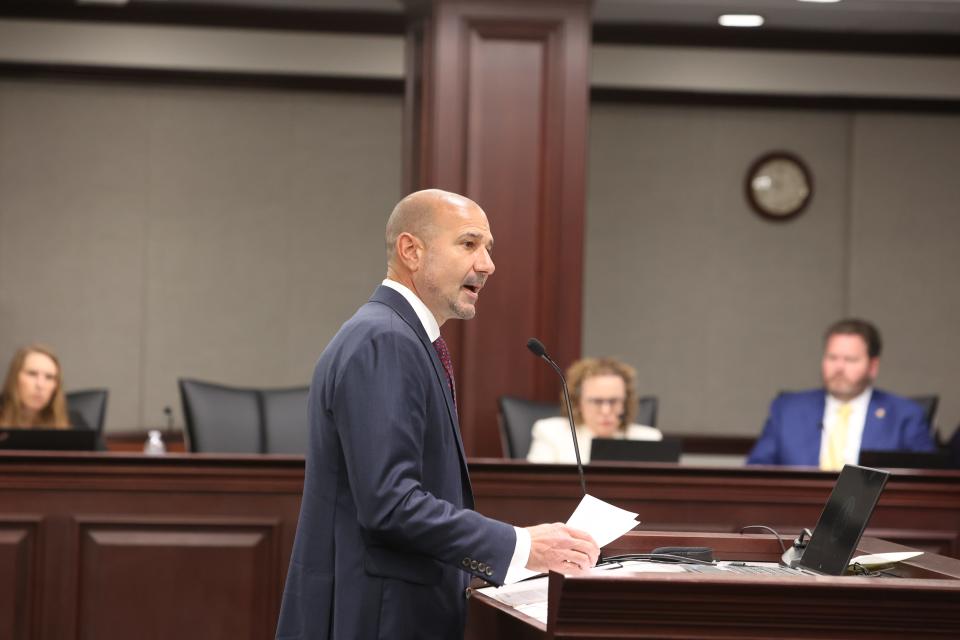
(779, 185)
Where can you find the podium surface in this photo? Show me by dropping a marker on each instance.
(921, 601)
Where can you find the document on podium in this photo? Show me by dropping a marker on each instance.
(600, 519)
(530, 596)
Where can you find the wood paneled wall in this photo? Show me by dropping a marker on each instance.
(499, 93)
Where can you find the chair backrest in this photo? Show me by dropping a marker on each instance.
(221, 419)
(929, 406)
(90, 405)
(285, 419)
(516, 423)
(647, 412)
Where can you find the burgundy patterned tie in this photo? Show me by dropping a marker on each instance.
(441, 346)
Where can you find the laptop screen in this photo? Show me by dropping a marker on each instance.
(666, 450)
(843, 520)
(48, 439)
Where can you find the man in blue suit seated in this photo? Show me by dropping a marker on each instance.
(388, 540)
(829, 427)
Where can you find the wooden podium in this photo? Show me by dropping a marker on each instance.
(923, 601)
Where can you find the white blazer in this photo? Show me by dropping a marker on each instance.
(551, 440)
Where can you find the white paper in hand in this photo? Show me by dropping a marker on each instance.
(602, 520)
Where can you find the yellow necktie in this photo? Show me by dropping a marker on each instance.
(832, 455)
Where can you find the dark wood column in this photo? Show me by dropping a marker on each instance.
(497, 97)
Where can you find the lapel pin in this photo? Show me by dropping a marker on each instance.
(880, 413)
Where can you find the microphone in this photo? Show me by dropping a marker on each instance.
(536, 347)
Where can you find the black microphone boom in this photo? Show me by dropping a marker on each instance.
(536, 347)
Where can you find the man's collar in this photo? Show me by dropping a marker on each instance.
(426, 317)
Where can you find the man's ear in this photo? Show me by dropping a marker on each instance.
(874, 368)
(409, 251)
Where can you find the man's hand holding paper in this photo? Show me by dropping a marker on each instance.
(573, 548)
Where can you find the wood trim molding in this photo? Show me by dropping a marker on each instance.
(773, 101)
(126, 75)
(934, 44)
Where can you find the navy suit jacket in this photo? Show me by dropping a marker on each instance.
(792, 433)
(387, 539)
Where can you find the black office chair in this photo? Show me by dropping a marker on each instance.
(221, 419)
(929, 405)
(516, 423)
(647, 412)
(953, 446)
(90, 405)
(285, 419)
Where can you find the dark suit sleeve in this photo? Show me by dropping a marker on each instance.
(767, 448)
(385, 399)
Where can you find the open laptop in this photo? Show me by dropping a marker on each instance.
(48, 439)
(838, 531)
(666, 450)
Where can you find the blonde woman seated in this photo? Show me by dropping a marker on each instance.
(604, 399)
(33, 391)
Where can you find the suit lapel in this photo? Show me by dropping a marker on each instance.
(398, 303)
(816, 421)
(875, 421)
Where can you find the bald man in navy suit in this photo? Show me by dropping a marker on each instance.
(804, 429)
(387, 539)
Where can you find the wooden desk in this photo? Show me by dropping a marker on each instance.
(102, 545)
(920, 509)
(922, 604)
(106, 545)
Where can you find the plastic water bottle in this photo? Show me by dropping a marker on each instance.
(154, 445)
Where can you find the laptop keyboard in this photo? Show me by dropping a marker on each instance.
(750, 569)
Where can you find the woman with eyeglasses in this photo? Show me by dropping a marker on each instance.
(604, 399)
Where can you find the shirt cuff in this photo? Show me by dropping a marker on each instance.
(521, 555)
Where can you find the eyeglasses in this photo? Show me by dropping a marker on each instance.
(599, 403)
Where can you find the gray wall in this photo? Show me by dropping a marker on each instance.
(719, 309)
(153, 232)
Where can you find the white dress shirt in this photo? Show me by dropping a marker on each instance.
(858, 418)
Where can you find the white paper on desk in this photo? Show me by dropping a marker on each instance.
(880, 559)
(603, 521)
(520, 594)
(651, 567)
(529, 598)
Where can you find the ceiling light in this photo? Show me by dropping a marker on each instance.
(740, 20)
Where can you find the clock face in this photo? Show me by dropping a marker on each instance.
(779, 186)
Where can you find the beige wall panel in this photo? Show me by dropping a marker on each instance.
(72, 216)
(905, 270)
(347, 157)
(717, 308)
(154, 232)
(266, 231)
(201, 48)
(780, 72)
